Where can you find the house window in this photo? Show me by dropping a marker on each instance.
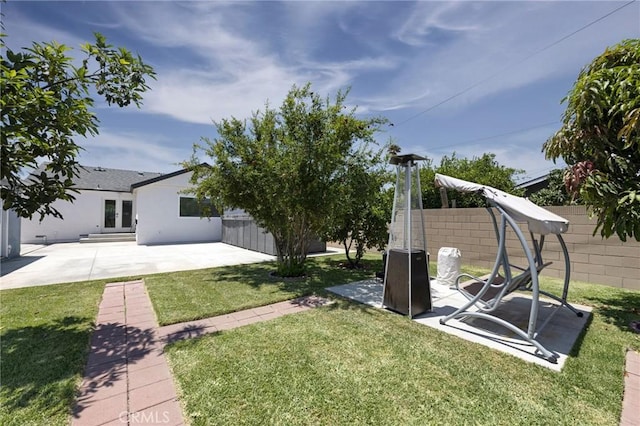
(191, 207)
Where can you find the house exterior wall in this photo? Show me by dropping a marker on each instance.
(9, 233)
(593, 259)
(84, 216)
(158, 215)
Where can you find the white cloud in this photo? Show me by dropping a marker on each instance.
(133, 151)
(448, 48)
(22, 31)
(429, 18)
(195, 98)
(198, 96)
(223, 67)
(492, 55)
(222, 59)
(239, 74)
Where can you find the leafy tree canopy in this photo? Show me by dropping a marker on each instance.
(45, 104)
(600, 139)
(484, 170)
(555, 194)
(286, 167)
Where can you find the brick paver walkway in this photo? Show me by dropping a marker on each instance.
(127, 380)
(631, 402)
(191, 329)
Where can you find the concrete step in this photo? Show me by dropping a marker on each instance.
(112, 234)
(111, 237)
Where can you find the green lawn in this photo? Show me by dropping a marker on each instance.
(349, 364)
(189, 295)
(44, 342)
(340, 364)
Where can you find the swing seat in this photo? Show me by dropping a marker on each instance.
(493, 290)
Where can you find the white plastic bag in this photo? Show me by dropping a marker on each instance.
(448, 265)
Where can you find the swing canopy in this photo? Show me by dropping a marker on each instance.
(539, 220)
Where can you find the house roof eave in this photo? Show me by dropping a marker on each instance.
(164, 177)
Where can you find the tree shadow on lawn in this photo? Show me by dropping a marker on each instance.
(620, 309)
(40, 363)
(320, 273)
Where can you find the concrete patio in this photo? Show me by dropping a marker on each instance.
(72, 262)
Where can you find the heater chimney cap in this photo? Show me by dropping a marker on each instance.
(404, 159)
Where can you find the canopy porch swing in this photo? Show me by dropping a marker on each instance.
(485, 294)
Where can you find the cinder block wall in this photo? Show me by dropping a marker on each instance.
(593, 259)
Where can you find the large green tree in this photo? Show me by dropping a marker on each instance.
(484, 170)
(284, 167)
(46, 103)
(359, 222)
(600, 140)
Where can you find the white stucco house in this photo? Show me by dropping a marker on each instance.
(153, 206)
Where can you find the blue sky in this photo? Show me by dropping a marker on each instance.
(401, 60)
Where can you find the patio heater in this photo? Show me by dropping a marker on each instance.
(406, 274)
